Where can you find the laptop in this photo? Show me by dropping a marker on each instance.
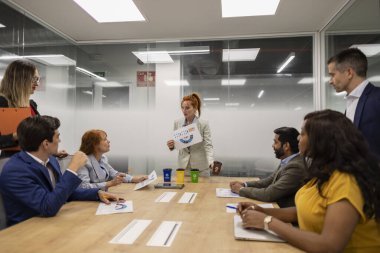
(253, 234)
(169, 186)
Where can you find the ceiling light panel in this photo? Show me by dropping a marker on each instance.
(368, 49)
(176, 82)
(154, 56)
(244, 8)
(2, 26)
(233, 82)
(106, 11)
(241, 54)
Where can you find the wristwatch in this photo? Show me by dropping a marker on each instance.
(267, 220)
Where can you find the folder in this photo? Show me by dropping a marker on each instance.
(10, 118)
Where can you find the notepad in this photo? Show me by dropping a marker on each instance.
(165, 197)
(112, 208)
(188, 197)
(131, 232)
(226, 193)
(241, 233)
(165, 234)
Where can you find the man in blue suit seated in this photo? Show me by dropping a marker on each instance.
(31, 182)
(348, 72)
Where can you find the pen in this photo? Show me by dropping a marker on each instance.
(232, 207)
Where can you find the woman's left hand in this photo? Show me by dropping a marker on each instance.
(253, 219)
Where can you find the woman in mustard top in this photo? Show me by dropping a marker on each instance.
(338, 209)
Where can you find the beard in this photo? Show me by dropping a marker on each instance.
(279, 153)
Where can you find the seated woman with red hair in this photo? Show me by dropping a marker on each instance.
(98, 173)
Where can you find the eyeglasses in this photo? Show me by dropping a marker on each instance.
(36, 79)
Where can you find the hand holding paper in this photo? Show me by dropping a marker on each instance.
(186, 136)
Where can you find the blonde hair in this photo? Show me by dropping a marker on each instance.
(195, 101)
(17, 83)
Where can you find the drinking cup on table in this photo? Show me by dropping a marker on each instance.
(167, 175)
(194, 173)
(180, 174)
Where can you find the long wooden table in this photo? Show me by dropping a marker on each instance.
(206, 227)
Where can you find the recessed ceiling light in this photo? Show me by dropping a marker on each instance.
(89, 73)
(176, 82)
(306, 80)
(233, 82)
(368, 49)
(232, 104)
(52, 59)
(244, 8)
(109, 84)
(374, 79)
(87, 92)
(211, 99)
(153, 56)
(105, 11)
(47, 59)
(290, 58)
(241, 54)
(2, 26)
(261, 93)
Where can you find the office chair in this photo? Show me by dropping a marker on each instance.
(3, 217)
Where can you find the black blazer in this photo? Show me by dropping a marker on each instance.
(367, 117)
(32, 103)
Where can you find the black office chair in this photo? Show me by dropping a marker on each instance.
(3, 217)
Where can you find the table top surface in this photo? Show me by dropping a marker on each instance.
(206, 226)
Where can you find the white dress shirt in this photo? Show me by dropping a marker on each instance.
(352, 100)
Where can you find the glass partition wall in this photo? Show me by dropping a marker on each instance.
(248, 87)
(358, 26)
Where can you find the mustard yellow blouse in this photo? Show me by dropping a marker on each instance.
(311, 210)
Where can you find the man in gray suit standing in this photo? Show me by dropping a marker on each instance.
(282, 184)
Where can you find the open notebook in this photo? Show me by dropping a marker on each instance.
(252, 234)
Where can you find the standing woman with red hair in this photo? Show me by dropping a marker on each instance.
(201, 155)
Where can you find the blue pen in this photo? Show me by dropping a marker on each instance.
(232, 207)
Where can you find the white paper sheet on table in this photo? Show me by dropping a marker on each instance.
(188, 197)
(151, 178)
(165, 197)
(125, 207)
(226, 193)
(131, 232)
(231, 210)
(241, 233)
(165, 234)
(186, 136)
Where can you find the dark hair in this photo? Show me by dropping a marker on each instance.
(195, 100)
(334, 143)
(90, 140)
(353, 58)
(290, 135)
(34, 130)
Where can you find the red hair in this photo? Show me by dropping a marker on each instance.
(90, 140)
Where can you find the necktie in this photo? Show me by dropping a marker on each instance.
(51, 174)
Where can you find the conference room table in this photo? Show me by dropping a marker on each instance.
(206, 226)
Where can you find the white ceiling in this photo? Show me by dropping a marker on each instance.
(181, 20)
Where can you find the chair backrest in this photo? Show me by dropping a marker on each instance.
(3, 220)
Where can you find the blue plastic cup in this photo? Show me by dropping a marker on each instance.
(167, 175)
